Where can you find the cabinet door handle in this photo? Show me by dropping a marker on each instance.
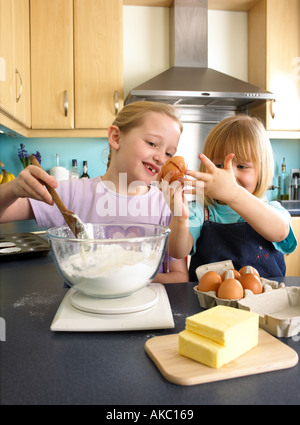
(66, 103)
(21, 85)
(116, 103)
(272, 108)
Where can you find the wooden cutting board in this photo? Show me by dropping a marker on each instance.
(270, 354)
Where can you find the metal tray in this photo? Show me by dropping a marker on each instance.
(15, 246)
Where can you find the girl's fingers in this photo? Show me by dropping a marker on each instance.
(30, 183)
(209, 165)
(168, 176)
(228, 161)
(158, 176)
(36, 190)
(41, 175)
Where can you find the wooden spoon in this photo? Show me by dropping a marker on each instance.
(72, 220)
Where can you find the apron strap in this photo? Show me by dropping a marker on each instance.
(206, 214)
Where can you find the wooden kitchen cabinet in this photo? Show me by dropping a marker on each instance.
(274, 60)
(98, 42)
(15, 60)
(293, 260)
(235, 5)
(76, 63)
(52, 64)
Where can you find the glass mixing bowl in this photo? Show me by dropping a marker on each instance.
(117, 259)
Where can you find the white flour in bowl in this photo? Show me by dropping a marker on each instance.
(110, 270)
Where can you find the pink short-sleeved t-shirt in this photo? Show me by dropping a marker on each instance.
(96, 202)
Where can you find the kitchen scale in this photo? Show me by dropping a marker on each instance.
(148, 308)
(109, 275)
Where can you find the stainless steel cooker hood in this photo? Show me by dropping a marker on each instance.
(189, 81)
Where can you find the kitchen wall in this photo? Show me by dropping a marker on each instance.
(94, 150)
(146, 54)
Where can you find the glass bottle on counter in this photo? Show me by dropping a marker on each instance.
(74, 172)
(284, 182)
(85, 173)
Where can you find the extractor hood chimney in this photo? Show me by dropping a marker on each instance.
(188, 33)
(189, 81)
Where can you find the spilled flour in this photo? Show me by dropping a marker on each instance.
(35, 301)
(110, 270)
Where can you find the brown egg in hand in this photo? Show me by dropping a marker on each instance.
(210, 281)
(252, 282)
(231, 289)
(177, 164)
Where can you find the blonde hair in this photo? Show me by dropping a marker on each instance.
(133, 114)
(247, 138)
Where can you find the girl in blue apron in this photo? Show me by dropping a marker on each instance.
(236, 222)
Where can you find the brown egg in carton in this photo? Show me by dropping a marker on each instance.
(209, 299)
(278, 306)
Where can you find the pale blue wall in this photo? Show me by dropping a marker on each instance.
(288, 149)
(93, 150)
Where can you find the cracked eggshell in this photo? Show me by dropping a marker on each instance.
(177, 164)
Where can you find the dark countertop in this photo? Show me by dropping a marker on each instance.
(293, 207)
(106, 368)
(294, 213)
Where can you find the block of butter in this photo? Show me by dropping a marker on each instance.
(219, 335)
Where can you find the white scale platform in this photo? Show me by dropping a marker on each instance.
(148, 308)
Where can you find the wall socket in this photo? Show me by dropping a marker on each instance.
(295, 170)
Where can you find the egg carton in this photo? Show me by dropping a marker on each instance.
(278, 306)
(210, 299)
(279, 311)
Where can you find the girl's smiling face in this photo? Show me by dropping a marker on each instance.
(245, 173)
(144, 149)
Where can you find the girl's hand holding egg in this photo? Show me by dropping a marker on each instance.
(171, 185)
(177, 165)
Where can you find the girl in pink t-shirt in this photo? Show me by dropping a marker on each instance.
(142, 137)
